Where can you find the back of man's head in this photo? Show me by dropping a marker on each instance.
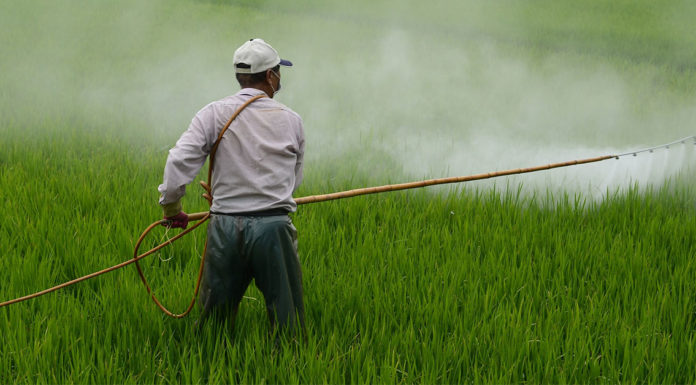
(250, 80)
(253, 59)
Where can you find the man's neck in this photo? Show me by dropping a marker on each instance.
(263, 87)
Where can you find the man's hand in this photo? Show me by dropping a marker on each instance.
(177, 221)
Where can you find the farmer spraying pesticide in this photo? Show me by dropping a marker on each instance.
(257, 146)
(256, 150)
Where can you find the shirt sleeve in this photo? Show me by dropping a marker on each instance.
(187, 157)
(300, 156)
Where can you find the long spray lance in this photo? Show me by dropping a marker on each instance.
(202, 217)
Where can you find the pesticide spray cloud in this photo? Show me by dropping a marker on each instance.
(446, 101)
(399, 90)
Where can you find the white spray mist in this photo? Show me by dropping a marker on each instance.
(401, 90)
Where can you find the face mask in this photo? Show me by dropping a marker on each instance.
(275, 92)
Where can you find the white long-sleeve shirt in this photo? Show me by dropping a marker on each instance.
(258, 164)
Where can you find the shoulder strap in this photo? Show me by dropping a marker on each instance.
(222, 132)
(205, 185)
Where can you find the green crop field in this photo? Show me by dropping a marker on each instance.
(580, 275)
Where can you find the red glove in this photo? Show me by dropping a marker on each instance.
(179, 221)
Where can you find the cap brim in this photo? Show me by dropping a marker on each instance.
(286, 63)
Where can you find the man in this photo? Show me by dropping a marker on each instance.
(257, 167)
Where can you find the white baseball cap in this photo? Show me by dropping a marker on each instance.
(256, 56)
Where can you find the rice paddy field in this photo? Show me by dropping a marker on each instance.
(579, 275)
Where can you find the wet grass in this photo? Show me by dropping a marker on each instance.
(415, 286)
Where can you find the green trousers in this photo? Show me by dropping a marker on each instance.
(242, 248)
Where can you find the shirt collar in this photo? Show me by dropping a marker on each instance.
(251, 92)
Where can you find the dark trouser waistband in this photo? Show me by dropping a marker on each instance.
(264, 213)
